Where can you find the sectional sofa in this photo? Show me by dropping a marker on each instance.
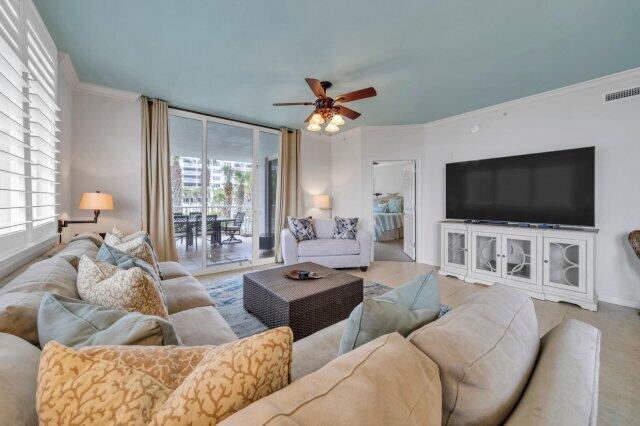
(482, 363)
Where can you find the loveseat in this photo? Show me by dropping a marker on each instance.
(326, 250)
(481, 363)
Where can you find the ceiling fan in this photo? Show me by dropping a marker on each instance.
(327, 109)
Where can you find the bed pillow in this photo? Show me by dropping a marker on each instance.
(395, 205)
(346, 228)
(403, 310)
(380, 208)
(160, 384)
(131, 290)
(75, 323)
(302, 228)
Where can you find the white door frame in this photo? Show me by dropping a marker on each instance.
(418, 204)
(255, 261)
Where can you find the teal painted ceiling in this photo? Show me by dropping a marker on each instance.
(427, 59)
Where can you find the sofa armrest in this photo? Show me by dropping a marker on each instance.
(289, 246)
(364, 237)
(563, 388)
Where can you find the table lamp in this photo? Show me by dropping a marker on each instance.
(95, 201)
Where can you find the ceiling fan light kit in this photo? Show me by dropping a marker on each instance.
(328, 110)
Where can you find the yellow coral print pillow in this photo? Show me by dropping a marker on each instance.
(138, 385)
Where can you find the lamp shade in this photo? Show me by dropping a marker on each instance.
(96, 201)
(322, 202)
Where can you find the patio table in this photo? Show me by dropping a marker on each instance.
(216, 235)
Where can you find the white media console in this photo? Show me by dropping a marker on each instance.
(548, 264)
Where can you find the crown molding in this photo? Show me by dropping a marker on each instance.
(617, 78)
(70, 74)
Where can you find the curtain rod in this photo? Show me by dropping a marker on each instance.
(149, 100)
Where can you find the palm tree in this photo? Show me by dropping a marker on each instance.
(243, 187)
(227, 172)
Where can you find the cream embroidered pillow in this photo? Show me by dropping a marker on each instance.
(139, 248)
(160, 385)
(131, 290)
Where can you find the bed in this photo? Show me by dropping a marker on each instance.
(388, 226)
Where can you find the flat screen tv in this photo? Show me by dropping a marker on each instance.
(547, 188)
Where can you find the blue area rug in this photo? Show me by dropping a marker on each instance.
(227, 296)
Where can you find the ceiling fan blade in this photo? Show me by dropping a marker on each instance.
(310, 115)
(358, 94)
(316, 87)
(292, 103)
(349, 113)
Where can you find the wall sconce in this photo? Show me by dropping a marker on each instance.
(95, 201)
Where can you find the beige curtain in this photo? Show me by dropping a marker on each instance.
(289, 194)
(157, 215)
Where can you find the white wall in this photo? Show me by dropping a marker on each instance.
(566, 118)
(388, 177)
(105, 156)
(315, 171)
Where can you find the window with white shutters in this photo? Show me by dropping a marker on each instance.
(28, 128)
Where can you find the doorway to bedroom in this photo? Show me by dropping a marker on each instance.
(394, 210)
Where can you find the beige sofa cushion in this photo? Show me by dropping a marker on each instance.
(315, 351)
(202, 326)
(184, 293)
(74, 250)
(385, 382)
(563, 389)
(170, 270)
(486, 350)
(18, 381)
(20, 298)
(163, 385)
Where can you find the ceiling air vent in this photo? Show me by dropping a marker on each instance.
(615, 96)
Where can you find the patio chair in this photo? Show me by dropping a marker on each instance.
(180, 227)
(232, 230)
(211, 220)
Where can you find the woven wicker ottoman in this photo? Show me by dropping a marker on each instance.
(306, 306)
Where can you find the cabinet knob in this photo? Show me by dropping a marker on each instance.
(546, 261)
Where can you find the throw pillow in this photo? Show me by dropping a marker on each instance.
(346, 228)
(141, 249)
(380, 208)
(160, 385)
(302, 228)
(403, 309)
(132, 290)
(123, 260)
(74, 250)
(75, 323)
(119, 236)
(395, 205)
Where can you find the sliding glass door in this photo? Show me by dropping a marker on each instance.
(224, 183)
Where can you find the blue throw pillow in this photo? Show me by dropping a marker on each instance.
(395, 205)
(76, 323)
(403, 309)
(122, 260)
(380, 208)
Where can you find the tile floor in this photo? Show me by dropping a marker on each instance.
(619, 397)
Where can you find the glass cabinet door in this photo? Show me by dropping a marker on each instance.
(486, 253)
(564, 264)
(456, 250)
(519, 258)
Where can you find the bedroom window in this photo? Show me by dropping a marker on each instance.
(28, 129)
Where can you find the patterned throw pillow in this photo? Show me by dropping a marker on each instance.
(346, 228)
(118, 236)
(131, 290)
(302, 228)
(160, 384)
(141, 249)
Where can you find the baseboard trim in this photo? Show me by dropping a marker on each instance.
(620, 301)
